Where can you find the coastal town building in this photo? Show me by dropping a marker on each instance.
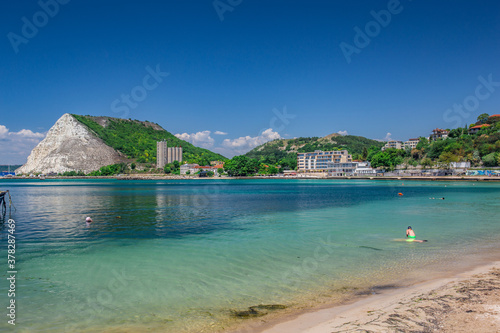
(477, 128)
(194, 168)
(188, 167)
(318, 160)
(411, 143)
(213, 168)
(356, 168)
(438, 133)
(393, 144)
(166, 155)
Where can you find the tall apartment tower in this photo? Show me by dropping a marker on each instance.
(161, 154)
(166, 155)
(174, 154)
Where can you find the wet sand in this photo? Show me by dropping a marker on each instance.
(465, 302)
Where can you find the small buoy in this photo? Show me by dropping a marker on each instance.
(118, 217)
(400, 194)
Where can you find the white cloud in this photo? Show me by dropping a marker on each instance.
(3, 131)
(229, 147)
(342, 132)
(16, 146)
(28, 134)
(199, 139)
(388, 137)
(244, 144)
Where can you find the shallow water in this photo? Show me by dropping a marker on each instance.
(189, 255)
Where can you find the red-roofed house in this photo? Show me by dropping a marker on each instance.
(438, 133)
(477, 128)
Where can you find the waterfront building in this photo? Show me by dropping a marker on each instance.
(161, 154)
(317, 161)
(213, 168)
(174, 154)
(477, 128)
(393, 144)
(411, 143)
(350, 169)
(188, 167)
(439, 133)
(166, 155)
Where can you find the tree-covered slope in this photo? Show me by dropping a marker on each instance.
(137, 139)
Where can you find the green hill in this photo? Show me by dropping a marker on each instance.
(285, 151)
(137, 139)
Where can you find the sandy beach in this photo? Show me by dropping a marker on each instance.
(466, 302)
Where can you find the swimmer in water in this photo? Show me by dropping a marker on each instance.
(88, 219)
(410, 236)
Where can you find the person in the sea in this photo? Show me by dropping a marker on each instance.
(410, 236)
(88, 220)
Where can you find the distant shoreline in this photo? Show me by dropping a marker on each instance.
(164, 177)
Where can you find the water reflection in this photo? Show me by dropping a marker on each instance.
(122, 209)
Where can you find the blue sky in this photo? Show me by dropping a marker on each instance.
(230, 74)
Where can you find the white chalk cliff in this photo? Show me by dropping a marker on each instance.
(69, 146)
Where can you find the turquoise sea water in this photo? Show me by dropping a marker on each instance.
(182, 256)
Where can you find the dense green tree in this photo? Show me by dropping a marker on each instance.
(426, 163)
(448, 157)
(490, 160)
(241, 166)
(110, 170)
(482, 118)
(388, 158)
(364, 155)
(423, 144)
(458, 132)
(436, 149)
(167, 169)
(272, 170)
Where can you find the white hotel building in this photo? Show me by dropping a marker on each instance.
(350, 169)
(318, 160)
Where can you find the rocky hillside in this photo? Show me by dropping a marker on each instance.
(87, 143)
(70, 146)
